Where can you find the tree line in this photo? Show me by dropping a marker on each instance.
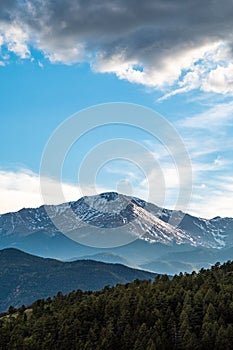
(189, 311)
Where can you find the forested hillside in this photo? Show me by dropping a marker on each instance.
(25, 278)
(192, 311)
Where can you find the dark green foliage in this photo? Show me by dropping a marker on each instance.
(191, 311)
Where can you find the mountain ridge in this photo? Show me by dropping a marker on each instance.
(25, 277)
(112, 210)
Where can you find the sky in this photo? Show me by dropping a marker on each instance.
(58, 58)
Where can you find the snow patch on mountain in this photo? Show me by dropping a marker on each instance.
(112, 210)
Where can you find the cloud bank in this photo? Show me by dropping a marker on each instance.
(20, 189)
(173, 46)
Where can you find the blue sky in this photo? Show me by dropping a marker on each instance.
(45, 80)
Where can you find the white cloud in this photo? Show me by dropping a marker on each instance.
(213, 166)
(194, 63)
(63, 55)
(213, 118)
(213, 199)
(22, 189)
(210, 70)
(16, 39)
(208, 67)
(219, 80)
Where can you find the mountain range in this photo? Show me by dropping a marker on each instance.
(25, 277)
(113, 227)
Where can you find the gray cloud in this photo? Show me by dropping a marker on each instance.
(118, 36)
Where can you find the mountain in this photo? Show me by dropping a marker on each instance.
(104, 257)
(24, 277)
(190, 311)
(140, 233)
(112, 210)
(93, 217)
